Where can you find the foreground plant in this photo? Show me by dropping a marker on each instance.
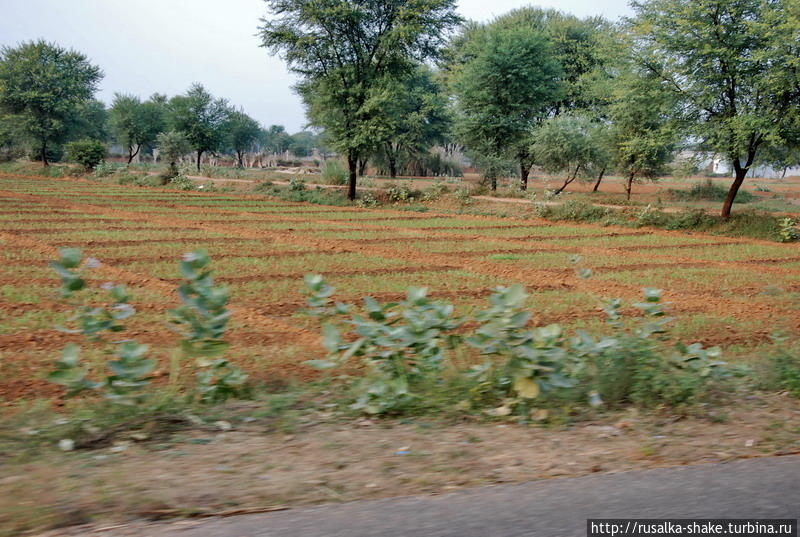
(203, 320)
(129, 370)
(404, 347)
(632, 365)
(788, 230)
(531, 360)
(401, 344)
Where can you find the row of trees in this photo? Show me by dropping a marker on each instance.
(538, 87)
(47, 98)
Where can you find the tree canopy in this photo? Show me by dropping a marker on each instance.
(201, 118)
(134, 123)
(508, 82)
(41, 86)
(733, 65)
(347, 52)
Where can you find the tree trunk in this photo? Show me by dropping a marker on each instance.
(494, 183)
(44, 153)
(392, 167)
(783, 175)
(239, 156)
(629, 186)
(362, 167)
(569, 179)
(599, 178)
(199, 154)
(524, 171)
(352, 165)
(737, 182)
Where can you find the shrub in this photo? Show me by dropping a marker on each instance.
(788, 230)
(106, 169)
(401, 344)
(708, 190)
(574, 210)
(532, 360)
(172, 145)
(296, 185)
(333, 173)
(434, 192)
(785, 373)
(405, 346)
(181, 182)
(367, 200)
(87, 152)
(398, 193)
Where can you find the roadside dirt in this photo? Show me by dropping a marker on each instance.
(256, 467)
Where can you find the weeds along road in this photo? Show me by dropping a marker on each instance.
(752, 488)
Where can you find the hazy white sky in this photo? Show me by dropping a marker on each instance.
(164, 46)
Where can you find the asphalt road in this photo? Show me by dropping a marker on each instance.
(754, 488)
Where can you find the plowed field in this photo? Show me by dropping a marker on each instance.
(732, 292)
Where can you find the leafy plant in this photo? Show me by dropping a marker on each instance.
(399, 193)
(296, 185)
(631, 365)
(203, 319)
(130, 370)
(788, 230)
(402, 345)
(533, 360)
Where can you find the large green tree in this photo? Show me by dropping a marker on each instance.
(347, 53)
(244, 133)
(416, 117)
(735, 67)
(134, 123)
(566, 143)
(201, 118)
(41, 85)
(507, 83)
(643, 135)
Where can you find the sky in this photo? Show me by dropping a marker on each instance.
(164, 46)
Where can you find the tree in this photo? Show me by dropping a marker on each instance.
(733, 64)
(244, 133)
(41, 84)
(276, 140)
(172, 145)
(583, 48)
(780, 157)
(507, 84)
(348, 53)
(416, 118)
(202, 119)
(566, 143)
(135, 123)
(302, 144)
(643, 137)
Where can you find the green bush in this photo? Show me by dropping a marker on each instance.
(785, 372)
(574, 210)
(181, 182)
(203, 318)
(788, 230)
(406, 349)
(333, 173)
(106, 169)
(708, 190)
(87, 152)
